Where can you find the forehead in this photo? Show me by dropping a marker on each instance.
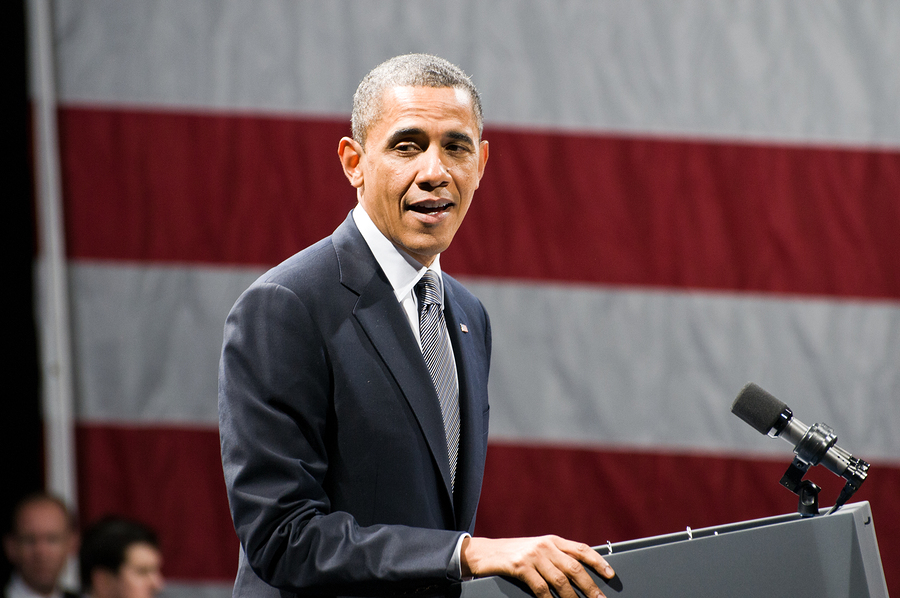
(448, 108)
(41, 515)
(141, 554)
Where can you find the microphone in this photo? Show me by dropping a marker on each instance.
(812, 444)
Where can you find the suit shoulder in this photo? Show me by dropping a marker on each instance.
(466, 301)
(460, 293)
(311, 266)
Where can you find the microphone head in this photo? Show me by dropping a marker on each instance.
(758, 408)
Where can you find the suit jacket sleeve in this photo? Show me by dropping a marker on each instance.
(278, 422)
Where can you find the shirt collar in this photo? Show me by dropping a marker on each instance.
(401, 269)
(17, 588)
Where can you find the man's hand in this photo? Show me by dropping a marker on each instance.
(542, 563)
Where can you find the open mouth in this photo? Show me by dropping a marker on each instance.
(431, 207)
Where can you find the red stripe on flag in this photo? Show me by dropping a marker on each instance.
(687, 214)
(168, 478)
(177, 187)
(171, 478)
(595, 496)
(584, 208)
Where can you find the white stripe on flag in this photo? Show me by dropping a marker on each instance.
(571, 364)
(180, 589)
(653, 369)
(812, 71)
(148, 339)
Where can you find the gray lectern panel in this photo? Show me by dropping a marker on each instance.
(828, 556)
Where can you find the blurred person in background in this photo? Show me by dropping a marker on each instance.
(39, 544)
(120, 558)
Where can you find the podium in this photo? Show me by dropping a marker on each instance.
(826, 556)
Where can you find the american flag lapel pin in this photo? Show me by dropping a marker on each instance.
(463, 327)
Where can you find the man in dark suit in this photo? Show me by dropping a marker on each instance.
(41, 540)
(353, 465)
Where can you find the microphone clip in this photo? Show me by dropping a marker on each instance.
(807, 491)
(811, 449)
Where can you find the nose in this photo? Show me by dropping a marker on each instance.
(433, 172)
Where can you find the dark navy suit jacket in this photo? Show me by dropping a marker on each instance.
(333, 447)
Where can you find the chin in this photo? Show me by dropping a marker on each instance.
(428, 245)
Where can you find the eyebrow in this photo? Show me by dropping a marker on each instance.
(417, 132)
(460, 137)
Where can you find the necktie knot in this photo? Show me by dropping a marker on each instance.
(428, 290)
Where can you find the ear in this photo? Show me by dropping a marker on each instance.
(352, 155)
(11, 547)
(482, 159)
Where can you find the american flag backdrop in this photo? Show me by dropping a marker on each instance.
(682, 196)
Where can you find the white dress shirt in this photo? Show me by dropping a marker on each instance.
(16, 588)
(403, 272)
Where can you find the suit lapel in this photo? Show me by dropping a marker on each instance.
(472, 449)
(387, 328)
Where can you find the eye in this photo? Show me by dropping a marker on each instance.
(407, 147)
(458, 143)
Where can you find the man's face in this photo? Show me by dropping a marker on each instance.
(40, 545)
(140, 576)
(421, 166)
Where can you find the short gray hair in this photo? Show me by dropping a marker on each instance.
(408, 70)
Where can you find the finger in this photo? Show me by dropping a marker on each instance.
(558, 579)
(579, 576)
(598, 564)
(563, 573)
(536, 583)
(590, 557)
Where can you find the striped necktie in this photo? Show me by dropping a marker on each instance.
(439, 358)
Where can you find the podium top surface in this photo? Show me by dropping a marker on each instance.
(831, 556)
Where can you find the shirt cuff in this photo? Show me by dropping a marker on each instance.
(456, 559)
